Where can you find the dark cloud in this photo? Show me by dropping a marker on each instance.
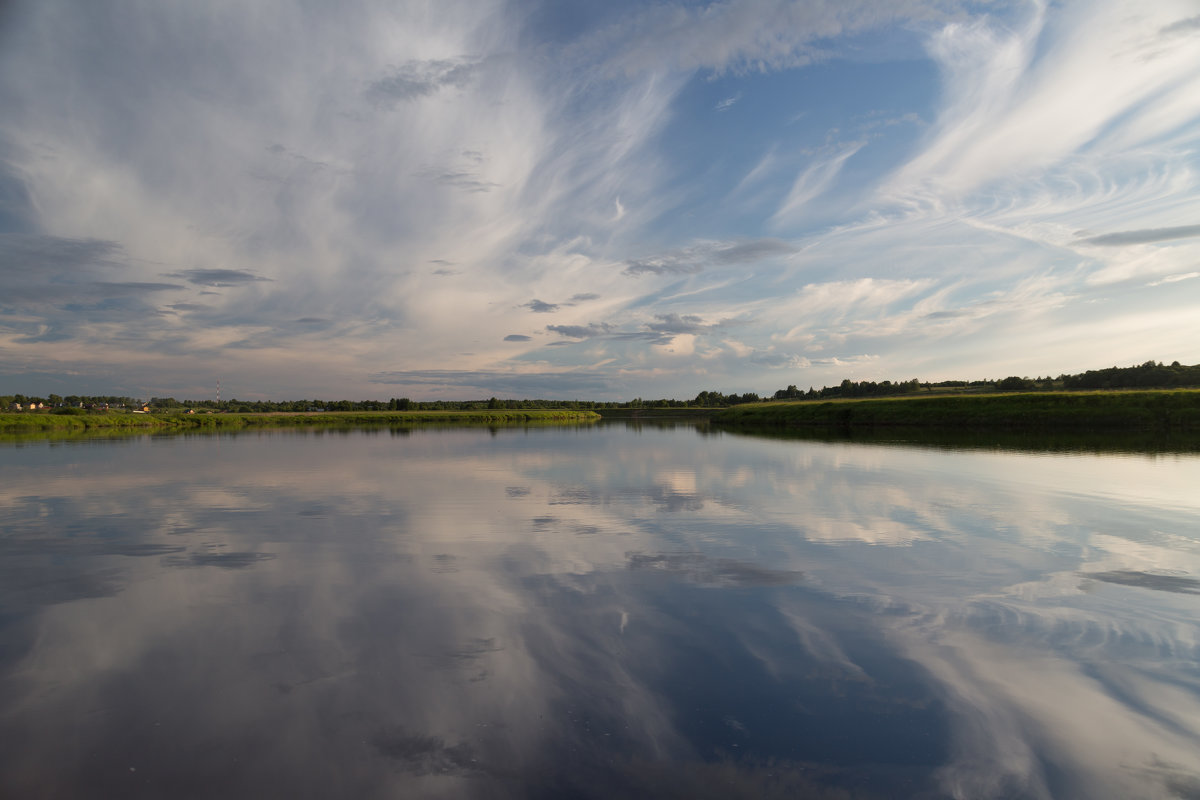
(1142, 236)
(416, 79)
(1182, 26)
(673, 323)
(20, 252)
(662, 265)
(312, 321)
(188, 307)
(756, 250)
(119, 289)
(17, 211)
(695, 259)
(217, 277)
(540, 307)
(517, 337)
(580, 331)
(54, 279)
(584, 297)
(462, 179)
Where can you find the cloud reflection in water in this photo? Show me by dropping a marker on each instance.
(420, 614)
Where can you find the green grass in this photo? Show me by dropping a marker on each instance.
(1099, 411)
(116, 420)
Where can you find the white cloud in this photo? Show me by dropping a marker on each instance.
(1018, 101)
(812, 182)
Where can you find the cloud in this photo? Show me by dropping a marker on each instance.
(115, 288)
(1184, 276)
(1068, 87)
(416, 79)
(661, 265)
(42, 254)
(746, 252)
(1145, 236)
(539, 307)
(814, 181)
(580, 331)
(745, 36)
(727, 103)
(463, 179)
(698, 257)
(1183, 26)
(217, 277)
(517, 337)
(38, 273)
(673, 323)
(584, 297)
(687, 323)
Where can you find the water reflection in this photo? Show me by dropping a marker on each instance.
(634, 611)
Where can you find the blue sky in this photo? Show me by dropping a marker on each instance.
(594, 200)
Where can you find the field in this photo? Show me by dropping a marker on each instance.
(117, 420)
(1101, 411)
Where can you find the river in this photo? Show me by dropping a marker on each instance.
(612, 610)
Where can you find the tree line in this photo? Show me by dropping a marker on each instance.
(1148, 375)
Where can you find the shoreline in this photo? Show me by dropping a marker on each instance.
(35, 422)
(1164, 410)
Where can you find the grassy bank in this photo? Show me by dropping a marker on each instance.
(33, 422)
(1116, 411)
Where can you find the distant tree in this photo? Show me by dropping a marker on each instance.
(1013, 384)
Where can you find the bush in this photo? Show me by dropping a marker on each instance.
(69, 411)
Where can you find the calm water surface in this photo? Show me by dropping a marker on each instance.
(594, 612)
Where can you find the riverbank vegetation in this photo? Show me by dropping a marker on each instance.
(1116, 410)
(1025, 402)
(182, 421)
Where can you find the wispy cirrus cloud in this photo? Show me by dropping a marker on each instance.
(1023, 98)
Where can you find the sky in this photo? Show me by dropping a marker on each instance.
(577, 200)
